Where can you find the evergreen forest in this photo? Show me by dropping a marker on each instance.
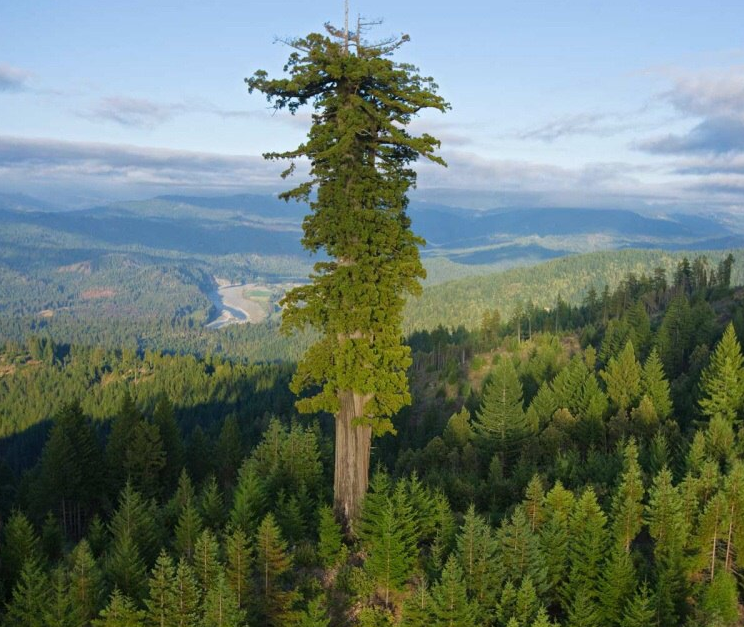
(584, 472)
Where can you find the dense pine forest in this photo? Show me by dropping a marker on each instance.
(578, 464)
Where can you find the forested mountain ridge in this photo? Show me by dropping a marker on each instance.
(591, 476)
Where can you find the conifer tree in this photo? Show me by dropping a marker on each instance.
(527, 603)
(417, 608)
(272, 564)
(145, 459)
(27, 605)
(20, 544)
(188, 529)
(720, 603)
(627, 504)
(501, 421)
(655, 386)
(329, 537)
(239, 557)
(58, 610)
(85, 582)
(125, 568)
(722, 383)
(623, 378)
(314, 614)
(476, 553)
(450, 604)
(120, 439)
(220, 606)
(360, 156)
(135, 519)
(70, 481)
(206, 560)
(673, 336)
(186, 596)
(164, 419)
(639, 612)
(587, 546)
(617, 586)
(389, 538)
(534, 503)
(161, 599)
(229, 451)
(520, 550)
(554, 538)
(120, 612)
(212, 504)
(669, 529)
(248, 500)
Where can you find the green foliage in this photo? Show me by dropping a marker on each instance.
(239, 557)
(360, 154)
(449, 600)
(27, 607)
(623, 378)
(722, 383)
(221, 607)
(720, 600)
(388, 532)
(501, 421)
(161, 600)
(20, 545)
(627, 505)
(274, 602)
(330, 539)
(655, 386)
(120, 612)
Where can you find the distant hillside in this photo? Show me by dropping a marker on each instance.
(463, 302)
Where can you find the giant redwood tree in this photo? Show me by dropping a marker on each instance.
(361, 158)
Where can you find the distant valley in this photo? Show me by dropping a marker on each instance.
(154, 272)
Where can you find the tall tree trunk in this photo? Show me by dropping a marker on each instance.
(351, 472)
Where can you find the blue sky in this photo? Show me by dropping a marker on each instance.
(637, 104)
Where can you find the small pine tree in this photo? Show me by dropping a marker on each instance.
(501, 422)
(639, 612)
(623, 378)
(449, 599)
(125, 568)
(722, 383)
(164, 419)
(417, 608)
(186, 596)
(667, 525)
(239, 562)
(187, 531)
(477, 554)
(212, 504)
(20, 544)
(220, 606)
(58, 610)
(85, 582)
(27, 605)
(627, 504)
(330, 538)
(587, 545)
(388, 537)
(248, 500)
(120, 612)
(206, 560)
(314, 614)
(272, 564)
(554, 538)
(655, 386)
(161, 599)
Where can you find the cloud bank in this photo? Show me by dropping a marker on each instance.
(13, 79)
